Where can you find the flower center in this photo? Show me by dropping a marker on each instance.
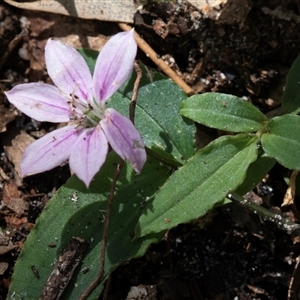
(85, 114)
(94, 114)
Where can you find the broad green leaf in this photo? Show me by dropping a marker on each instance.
(168, 136)
(255, 173)
(76, 211)
(200, 184)
(222, 111)
(291, 96)
(157, 115)
(282, 142)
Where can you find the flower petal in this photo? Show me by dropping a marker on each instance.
(88, 154)
(40, 101)
(68, 70)
(124, 138)
(114, 65)
(49, 151)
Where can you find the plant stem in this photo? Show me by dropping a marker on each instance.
(103, 248)
(100, 274)
(282, 222)
(139, 75)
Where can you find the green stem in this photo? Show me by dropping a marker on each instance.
(282, 223)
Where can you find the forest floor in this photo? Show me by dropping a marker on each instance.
(246, 51)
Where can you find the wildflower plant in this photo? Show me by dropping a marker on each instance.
(79, 98)
(177, 184)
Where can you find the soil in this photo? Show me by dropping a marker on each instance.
(245, 50)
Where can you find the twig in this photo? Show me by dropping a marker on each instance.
(100, 274)
(158, 61)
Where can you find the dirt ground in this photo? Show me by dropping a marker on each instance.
(245, 50)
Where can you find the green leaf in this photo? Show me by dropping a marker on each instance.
(157, 115)
(63, 218)
(282, 142)
(169, 137)
(200, 184)
(90, 57)
(222, 111)
(291, 96)
(255, 173)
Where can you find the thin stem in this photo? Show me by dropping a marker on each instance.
(106, 220)
(282, 222)
(158, 61)
(136, 85)
(100, 274)
(103, 248)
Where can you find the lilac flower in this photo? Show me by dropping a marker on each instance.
(79, 99)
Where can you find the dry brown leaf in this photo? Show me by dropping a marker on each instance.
(3, 267)
(15, 222)
(6, 117)
(117, 11)
(10, 190)
(14, 144)
(94, 42)
(12, 201)
(16, 205)
(290, 192)
(104, 10)
(3, 176)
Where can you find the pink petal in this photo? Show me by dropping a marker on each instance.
(88, 154)
(40, 101)
(49, 151)
(68, 70)
(114, 65)
(124, 138)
